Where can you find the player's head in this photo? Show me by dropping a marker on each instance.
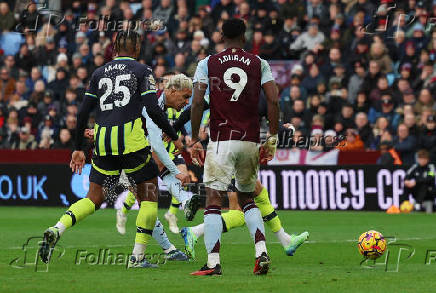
(178, 91)
(127, 43)
(233, 30)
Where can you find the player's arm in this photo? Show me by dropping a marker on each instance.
(88, 105)
(201, 82)
(155, 139)
(186, 116)
(150, 102)
(272, 98)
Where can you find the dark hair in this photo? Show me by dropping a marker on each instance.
(423, 154)
(126, 41)
(233, 28)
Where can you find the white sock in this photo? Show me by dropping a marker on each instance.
(61, 228)
(172, 247)
(260, 247)
(213, 259)
(283, 237)
(138, 251)
(198, 230)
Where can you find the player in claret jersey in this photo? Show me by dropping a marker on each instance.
(235, 79)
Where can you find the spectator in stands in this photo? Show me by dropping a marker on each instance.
(364, 129)
(388, 155)
(7, 85)
(347, 115)
(330, 140)
(405, 145)
(410, 122)
(361, 104)
(356, 81)
(316, 140)
(381, 89)
(381, 132)
(26, 140)
(387, 110)
(425, 100)
(420, 180)
(352, 142)
(311, 81)
(372, 77)
(308, 40)
(7, 21)
(64, 141)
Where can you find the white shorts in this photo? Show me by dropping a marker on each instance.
(225, 159)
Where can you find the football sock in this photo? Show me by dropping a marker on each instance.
(175, 188)
(161, 237)
(174, 207)
(145, 222)
(267, 211)
(254, 222)
(233, 219)
(198, 230)
(128, 202)
(77, 212)
(213, 227)
(283, 237)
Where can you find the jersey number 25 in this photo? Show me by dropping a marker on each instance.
(117, 89)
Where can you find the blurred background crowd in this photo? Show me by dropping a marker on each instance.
(377, 90)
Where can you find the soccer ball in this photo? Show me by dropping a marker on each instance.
(371, 244)
(406, 207)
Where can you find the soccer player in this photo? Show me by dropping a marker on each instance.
(173, 99)
(235, 79)
(119, 91)
(235, 218)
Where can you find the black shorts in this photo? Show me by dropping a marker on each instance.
(139, 166)
(178, 160)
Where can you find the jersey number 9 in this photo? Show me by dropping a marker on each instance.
(237, 86)
(117, 89)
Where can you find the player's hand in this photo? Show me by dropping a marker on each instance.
(197, 153)
(184, 178)
(268, 149)
(166, 138)
(77, 162)
(89, 134)
(179, 146)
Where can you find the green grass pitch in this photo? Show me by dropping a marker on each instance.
(329, 262)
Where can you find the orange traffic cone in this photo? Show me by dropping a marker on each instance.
(393, 210)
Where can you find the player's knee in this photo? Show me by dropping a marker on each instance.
(213, 197)
(244, 198)
(147, 191)
(258, 188)
(95, 194)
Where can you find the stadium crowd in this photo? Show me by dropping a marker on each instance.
(375, 89)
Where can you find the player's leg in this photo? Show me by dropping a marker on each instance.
(144, 174)
(218, 171)
(171, 214)
(232, 219)
(122, 213)
(290, 243)
(145, 221)
(79, 210)
(171, 252)
(245, 177)
(188, 201)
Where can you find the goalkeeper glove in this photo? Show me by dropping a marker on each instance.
(268, 149)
